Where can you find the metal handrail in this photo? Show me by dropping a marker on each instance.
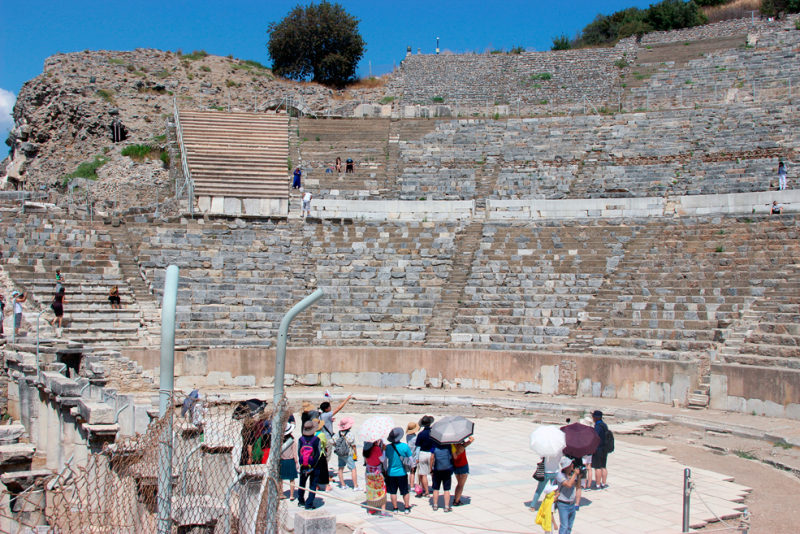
(188, 182)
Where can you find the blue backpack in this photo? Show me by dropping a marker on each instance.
(443, 458)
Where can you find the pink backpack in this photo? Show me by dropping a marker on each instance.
(306, 452)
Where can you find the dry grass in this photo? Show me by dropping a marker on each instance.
(736, 9)
(370, 83)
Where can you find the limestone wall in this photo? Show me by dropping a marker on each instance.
(726, 28)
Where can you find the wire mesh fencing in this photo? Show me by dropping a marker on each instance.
(201, 468)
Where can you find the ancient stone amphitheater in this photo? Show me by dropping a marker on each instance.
(497, 233)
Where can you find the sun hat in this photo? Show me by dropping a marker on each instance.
(307, 406)
(598, 414)
(395, 435)
(14, 293)
(346, 423)
(564, 463)
(319, 422)
(412, 428)
(309, 428)
(289, 429)
(426, 421)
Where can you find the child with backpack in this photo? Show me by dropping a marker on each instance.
(309, 451)
(442, 474)
(345, 449)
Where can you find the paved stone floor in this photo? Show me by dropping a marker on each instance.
(644, 494)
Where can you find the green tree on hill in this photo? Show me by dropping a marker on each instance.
(319, 41)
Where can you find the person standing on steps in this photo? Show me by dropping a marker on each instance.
(59, 281)
(113, 298)
(350, 166)
(307, 196)
(781, 176)
(338, 165)
(600, 457)
(58, 307)
(2, 315)
(18, 299)
(297, 175)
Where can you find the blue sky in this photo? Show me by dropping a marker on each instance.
(33, 30)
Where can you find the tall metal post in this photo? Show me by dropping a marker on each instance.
(687, 495)
(166, 382)
(277, 432)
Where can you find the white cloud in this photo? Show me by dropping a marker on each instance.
(7, 100)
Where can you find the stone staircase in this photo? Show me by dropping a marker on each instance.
(453, 292)
(236, 154)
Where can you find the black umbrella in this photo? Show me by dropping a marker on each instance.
(581, 440)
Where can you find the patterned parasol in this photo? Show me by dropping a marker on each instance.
(376, 428)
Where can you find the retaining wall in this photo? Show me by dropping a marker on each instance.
(546, 373)
(758, 390)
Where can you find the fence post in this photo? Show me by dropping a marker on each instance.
(166, 383)
(687, 495)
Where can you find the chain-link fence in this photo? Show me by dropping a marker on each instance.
(220, 480)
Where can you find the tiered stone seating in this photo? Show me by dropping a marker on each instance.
(707, 151)
(236, 284)
(529, 284)
(236, 154)
(36, 247)
(722, 77)
(381, 280)
(681, 283)
(363, 141)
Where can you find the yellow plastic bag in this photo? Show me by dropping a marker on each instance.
(545, 515)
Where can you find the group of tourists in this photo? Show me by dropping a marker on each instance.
(396, 465)
(56, 304)
(563, 478)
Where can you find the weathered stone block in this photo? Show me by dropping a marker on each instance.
(314, 522)
(244, 381)
(232, 206)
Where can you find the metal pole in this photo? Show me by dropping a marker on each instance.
(277, 399)
(687, 495)
(166, 383)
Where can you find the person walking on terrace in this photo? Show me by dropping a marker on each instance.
(781, 176)
(551, 469)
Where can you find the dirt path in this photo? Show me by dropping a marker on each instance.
(773, 501)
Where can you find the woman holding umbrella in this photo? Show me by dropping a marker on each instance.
(373, 432)
(548, 442)
(461, 468)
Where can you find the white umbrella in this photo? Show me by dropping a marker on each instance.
(548, 441)
(376, 428)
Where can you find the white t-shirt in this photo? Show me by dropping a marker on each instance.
(17, 307)
(551, 463)
(306, 196)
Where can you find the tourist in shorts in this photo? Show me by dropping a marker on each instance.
(345, 449)
(307, 196)
(599, 458)
(461, 468)
(397, 478)
(442, 474)
(113, 298)
(411, 441)
(425, 446)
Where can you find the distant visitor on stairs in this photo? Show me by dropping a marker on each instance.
(350, 167)
(307, 196)
(297, 175)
